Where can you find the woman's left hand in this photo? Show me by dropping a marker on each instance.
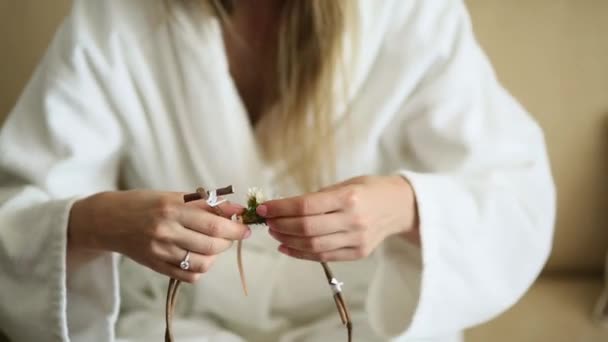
(344, 222)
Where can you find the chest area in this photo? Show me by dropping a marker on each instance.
(252, 63)
(192, 123)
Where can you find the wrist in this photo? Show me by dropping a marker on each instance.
(84, 222)
(410, 227)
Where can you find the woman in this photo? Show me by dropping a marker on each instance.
(447, 226)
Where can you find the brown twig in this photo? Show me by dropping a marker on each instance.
(340, 302)
(239, 252)
(239, 262)
(170, 308)
(201, 193)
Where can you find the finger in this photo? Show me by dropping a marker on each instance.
(310, 204)
(199, 243)
(309, 225)
(226, 209)
(189, 276)
(213, 225)
(343, 254)
(176, 272)
(198, 263)
(318, 244)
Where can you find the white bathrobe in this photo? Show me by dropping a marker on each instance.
(137, 94)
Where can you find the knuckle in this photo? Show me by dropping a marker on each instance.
(362, 251)
(360, 239)
(161, 232)
(191, 277)
(213, 229)
(360, 222)
(303, 206)
(228, 244)
(307, 228)
(352, 197)
(315, 244)
(211, 247)
(165, 209)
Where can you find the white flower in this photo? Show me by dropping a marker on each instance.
(256, 193)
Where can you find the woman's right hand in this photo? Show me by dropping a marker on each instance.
(156, 229)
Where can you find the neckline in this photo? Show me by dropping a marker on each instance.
(200, 25)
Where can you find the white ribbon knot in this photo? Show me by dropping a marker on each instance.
(336, 286)
(213, 200)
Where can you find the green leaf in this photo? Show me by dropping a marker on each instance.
(250, 216)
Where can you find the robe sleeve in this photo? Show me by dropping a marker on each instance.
(485, 195)
(60, 142)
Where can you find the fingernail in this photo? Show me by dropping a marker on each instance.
(247, 234)
(261, 210)
(283, 249)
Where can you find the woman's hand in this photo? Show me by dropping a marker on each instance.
(346, 221)
(156, 229)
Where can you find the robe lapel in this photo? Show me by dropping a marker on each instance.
(219, 135)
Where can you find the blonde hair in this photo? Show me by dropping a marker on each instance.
(297, 129)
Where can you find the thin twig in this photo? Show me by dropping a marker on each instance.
(170, 308)
(340, 302)
(239, 252)
(239, 261)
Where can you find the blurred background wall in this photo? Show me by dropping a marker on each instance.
(26, 26)
(553, 56)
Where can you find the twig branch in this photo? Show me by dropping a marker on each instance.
(339, 299)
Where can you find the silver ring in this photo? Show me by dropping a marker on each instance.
(185, 264)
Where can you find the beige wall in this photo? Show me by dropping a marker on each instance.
(25, 29)
(552, 54)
